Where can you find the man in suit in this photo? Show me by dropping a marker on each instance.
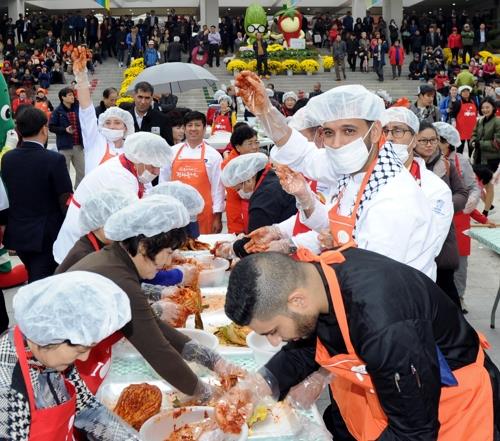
(147, 119)
(38, 185)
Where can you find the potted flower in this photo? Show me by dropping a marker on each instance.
(309, 66)
(275, 66)
(291, 67)
(236, 66)
(327, 62)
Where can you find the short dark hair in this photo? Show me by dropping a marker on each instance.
(64, 92)
(241, 134)
(107, 92)
(175, 118)
(144, 86)
(483, 172)
(194, 115)
(174, 239)
(424, 125)
(259, 286)
(29, 121)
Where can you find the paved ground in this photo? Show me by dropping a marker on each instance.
(484, 265)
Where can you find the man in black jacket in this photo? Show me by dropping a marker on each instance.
(408, 337)
(147, 119)
(38, 184)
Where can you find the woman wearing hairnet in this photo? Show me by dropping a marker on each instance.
(225, 117)
(145, 234)
(59, 320)
(264, 202)
(449, 140)
(94, 213)
(144, 154)
(104, 139)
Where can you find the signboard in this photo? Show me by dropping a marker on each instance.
(297, 43)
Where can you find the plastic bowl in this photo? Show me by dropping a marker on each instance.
(214, 276)
(261, 348)
(161, 426)
(202, 337)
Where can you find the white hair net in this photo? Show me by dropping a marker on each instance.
(343, 102)
(116, 112)
(302, 119)
(218, 94)
(243, 168)
(384, 95)
(448, 132)
(401, 115)
(290, 94)
(226, 98)
(270, 93)
(464, 87)
(149, 216)
(188, 195)
(147, 148)
(78, 306)
(99, 206)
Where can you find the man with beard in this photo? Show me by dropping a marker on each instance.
(400, 358)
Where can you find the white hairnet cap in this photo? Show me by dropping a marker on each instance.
(147, 148)
(226, 98)
(302, 120)
(149, 216)
(401, 115)
(96, 209)
(243, 168)
(343, 102)
(218, 94)
(116, 112)
(188, 195)
(78, 306)
(448, 132)
(290, 94)
(270, 92)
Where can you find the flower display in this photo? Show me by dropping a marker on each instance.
(292, 65)
(252, 65)
(327, 61)
(309, 65)
(276, 47)
(132, 72)
(138, 62)
(236, 65)
(124, 99)
(275, 66)
(129, 75)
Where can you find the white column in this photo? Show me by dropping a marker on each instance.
(16, 7)
(392, 9)
(358, 9)
(209, 12)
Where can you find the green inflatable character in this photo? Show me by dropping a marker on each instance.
(6, 121)
(255, 21)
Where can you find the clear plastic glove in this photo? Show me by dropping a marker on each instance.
(262, 237)
(167, 311)
(306, 393)
(295, 184)
(79, 58)
(280, 246)
(310, 430)
(325, 240)
(205, 393)
(224, 250)
(152, 292)
(167, 292)
(228, 373)
(190, 274)
(200, 354)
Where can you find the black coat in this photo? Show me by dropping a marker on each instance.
(35, 179)
(397, 316)
(155, 122)
(58, 123)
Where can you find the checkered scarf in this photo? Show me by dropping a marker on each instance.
(387, 167)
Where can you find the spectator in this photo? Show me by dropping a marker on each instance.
(430, 68)
(174, 50)
(363, 55)
(393, 31)
(21, 100)
(64, 122)
(464, 111)
(339, 52)
(43, 103)
(214, 42)
(57, 74)
(225, 117)
(109, 97)
(465, 77)
(121, 44)
(396, 58)
(168, 102)
(486, 137)
(424, 107)
(447, 104)
(442, 82)
(352, 51)
(151, 57)
(240, 41)
(278, 95)
(316, 90)
(455, 42)
(489, 70)
(260, 50)
(378, 54)
(348, 22)
(416, 43)
(289, 100)
(481, 37)
(431, 39)
(37, 204)
(134, 44)
(97, 53)
(453, 68)
(44, 78)
(467, 41)
(177, 125)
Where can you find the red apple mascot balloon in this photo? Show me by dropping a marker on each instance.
(290, 23)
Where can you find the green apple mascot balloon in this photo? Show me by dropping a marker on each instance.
(255, 21)
(6, 121)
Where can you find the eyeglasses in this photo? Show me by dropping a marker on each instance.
(425, 141)
(259, 28)
(397, 133)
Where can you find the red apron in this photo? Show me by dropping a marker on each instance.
(93, 240)
(466, 120)
(93, 371)
(53, 423)
(461, 221)
(194, 172)
(465, 411)
(222, 123)
(415, 172)
(245, 203)
(107, 155)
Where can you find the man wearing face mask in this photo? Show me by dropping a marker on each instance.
(264, 202)
(144, 154)
(377, 199)
(400, 126)
(38, 184)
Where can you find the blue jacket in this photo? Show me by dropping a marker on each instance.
(150, 56)
(138, 43)
(443, 108)
(59, 120)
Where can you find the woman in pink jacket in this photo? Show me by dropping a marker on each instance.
(396, 58)
(455, 42)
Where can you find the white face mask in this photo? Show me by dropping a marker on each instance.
(401, 151)
(146, 177)
(112, 134)
(245, 194)
(350, 158)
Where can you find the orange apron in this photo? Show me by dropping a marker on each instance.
(233, 202)
(465, 411)
(245, 203)
(461, 221)
(194, 172)
(107, 155)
